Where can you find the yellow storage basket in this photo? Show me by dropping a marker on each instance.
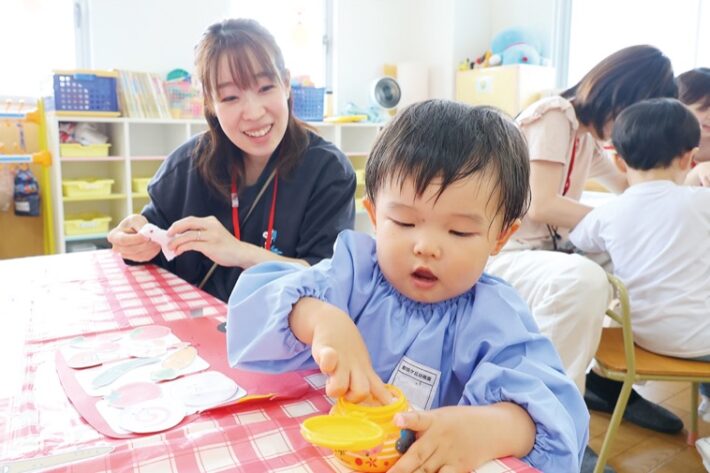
(86, 223)
(140, 185)
(74, 150)
(88, 187)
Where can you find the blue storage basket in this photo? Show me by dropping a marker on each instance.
(308, 103)
(85, 92)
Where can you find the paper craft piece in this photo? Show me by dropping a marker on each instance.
(159, 236)
(134, 393)
(199, 332)
(90, 342)
(148, 350)
(149, 332)
(84, 359)
(139, 343)
(112, 374)
(171, 366)
(205, 390)
(140, 374)
(152, 416)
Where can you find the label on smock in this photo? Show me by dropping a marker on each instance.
(418, 382)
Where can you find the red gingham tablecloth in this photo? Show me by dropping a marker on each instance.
(55, 298)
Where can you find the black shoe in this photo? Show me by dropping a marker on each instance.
(590, 461)
(638, 411)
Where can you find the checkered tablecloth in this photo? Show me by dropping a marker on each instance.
(56, 298)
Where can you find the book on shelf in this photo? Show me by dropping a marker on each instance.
(142, 95)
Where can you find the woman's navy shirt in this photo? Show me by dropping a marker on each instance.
(313, 204)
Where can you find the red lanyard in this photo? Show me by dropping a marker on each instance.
(571, 165)
(235, 211)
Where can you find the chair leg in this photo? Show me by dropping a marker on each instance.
(693, 431)
(614, 424)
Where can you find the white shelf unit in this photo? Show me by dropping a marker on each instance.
(355, 140)
(138, 146)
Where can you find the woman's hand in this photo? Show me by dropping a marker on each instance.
(130, 244)
(462, 438)
(699, 175)
(208, 236)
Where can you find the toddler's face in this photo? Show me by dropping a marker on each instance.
(433, 249)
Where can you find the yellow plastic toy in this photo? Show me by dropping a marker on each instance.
(345, 119)
(363, 437)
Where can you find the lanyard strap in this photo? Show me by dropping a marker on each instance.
(272, 212)
(571, 165)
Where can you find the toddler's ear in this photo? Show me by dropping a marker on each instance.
(370, 208)
(505, 235)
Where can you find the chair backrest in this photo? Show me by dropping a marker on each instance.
(623, 318)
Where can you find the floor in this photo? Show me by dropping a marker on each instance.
(637, 450)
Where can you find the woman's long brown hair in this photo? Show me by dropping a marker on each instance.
(251, 50)
(621, 79)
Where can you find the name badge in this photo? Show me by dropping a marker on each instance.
(418, 382)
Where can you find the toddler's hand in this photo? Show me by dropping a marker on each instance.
(339, 351)
(350, 374)
(445, 442)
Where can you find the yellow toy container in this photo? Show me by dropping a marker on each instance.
(363, 437)
(75, 150)
(139, 185)
(86, 224)
(87, 187)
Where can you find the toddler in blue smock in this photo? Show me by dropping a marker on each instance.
(446, 186)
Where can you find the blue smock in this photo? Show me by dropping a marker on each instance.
(484, 342)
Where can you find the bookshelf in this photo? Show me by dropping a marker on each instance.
(138, 147)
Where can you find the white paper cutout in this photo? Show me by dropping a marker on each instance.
(160, 236)
(196, 393)
(152, 416)
(205, 390)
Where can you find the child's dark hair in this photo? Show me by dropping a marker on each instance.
(652, 133)
(441, 139)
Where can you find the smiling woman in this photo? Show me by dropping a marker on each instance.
(257, 186)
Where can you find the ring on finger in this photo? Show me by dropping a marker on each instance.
(199, 235)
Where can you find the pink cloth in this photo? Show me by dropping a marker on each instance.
(551, 127)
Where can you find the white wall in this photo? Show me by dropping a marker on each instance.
(159, 35)
(154, 36)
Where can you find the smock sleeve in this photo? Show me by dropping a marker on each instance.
(586, 235)
(258, 334)
(513, 362)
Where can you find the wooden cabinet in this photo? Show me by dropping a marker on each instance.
(510, 88)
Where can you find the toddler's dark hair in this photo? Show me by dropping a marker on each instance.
(652, 133)
(442, 139)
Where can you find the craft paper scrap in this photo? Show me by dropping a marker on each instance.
(148, 407)
(160, 236)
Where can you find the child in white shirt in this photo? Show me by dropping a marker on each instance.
(656, 232)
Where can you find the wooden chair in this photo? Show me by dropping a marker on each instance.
(619, 359)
